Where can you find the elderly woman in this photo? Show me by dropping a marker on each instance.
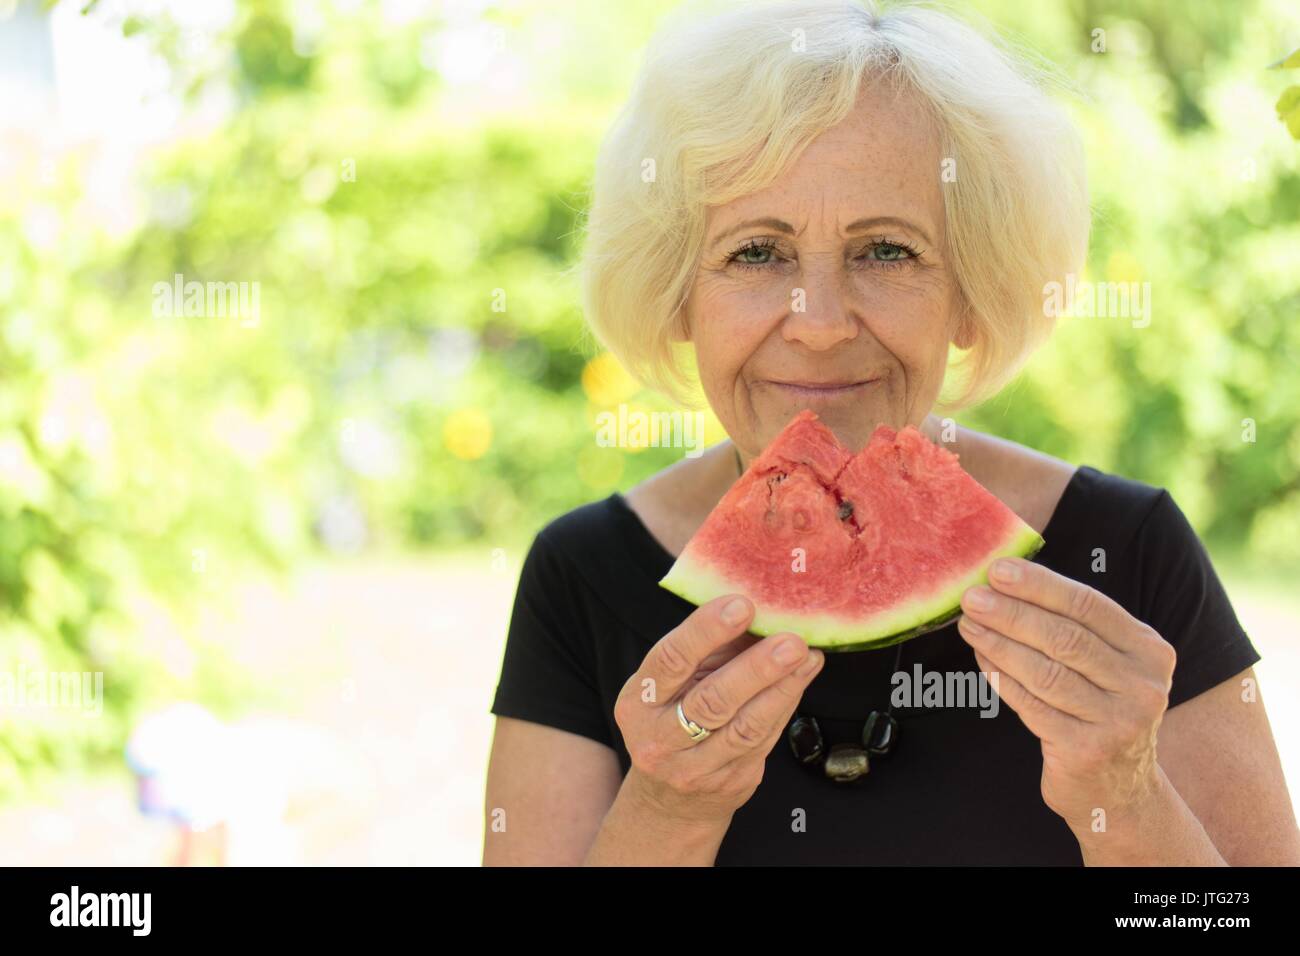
(816, 205)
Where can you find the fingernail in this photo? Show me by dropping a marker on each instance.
(787, 652)
(973, 627)
(1006, 571)
(736, 611)
(980, 599)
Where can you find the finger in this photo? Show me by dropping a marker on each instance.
(719, 753)
(714, 701)
(1061, 638)
(1043, 720)
(1055, 592)
(726, 653)
(760, 722)
(1046, 678)
(674, 661)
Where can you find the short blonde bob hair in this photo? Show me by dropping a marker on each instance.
(723, 104)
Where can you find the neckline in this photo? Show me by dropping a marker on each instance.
(657, 559)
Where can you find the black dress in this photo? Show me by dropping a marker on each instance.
(959, 788)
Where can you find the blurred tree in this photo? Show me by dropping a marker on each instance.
(419, 373)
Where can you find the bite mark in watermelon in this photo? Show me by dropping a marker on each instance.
(890, 538)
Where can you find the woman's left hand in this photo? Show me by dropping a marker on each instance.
(1087, 678)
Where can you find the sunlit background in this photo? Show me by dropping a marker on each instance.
(283, 526)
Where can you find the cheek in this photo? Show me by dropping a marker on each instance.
(730, 322)
(908, 316)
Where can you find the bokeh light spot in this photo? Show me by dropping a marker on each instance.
(606, 382)
(467, 433)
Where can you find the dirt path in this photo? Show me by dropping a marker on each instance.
(378, 752)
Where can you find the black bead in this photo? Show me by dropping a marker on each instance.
(805, 739)
(879, 733)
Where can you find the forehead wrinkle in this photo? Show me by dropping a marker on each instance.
(883, 184)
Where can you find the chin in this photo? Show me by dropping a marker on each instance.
(852, 410)
(851, 422)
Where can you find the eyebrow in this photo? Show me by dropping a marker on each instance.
(780, 225)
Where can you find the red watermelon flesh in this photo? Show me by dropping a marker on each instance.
(851, 552)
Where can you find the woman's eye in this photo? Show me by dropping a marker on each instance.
(889, 252)
(753, 256)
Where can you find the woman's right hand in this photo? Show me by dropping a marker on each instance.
(742, 688)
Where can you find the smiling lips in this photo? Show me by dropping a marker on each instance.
(822, 389)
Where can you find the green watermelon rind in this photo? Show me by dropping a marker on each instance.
(691, 579)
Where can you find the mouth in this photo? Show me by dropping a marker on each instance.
(808, 389)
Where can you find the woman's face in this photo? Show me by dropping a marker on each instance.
(831, 289)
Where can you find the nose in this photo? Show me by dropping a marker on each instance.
(819, 316)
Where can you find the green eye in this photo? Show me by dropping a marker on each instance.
(753, 255)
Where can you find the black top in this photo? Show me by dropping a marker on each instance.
(959, 788)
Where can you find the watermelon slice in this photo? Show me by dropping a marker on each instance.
(851, 552)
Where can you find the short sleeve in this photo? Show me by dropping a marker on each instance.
(548, 673)
(1182, 597)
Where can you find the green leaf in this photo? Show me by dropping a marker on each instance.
(1291, 62)
(1288, 109)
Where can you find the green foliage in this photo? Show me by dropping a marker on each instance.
(419, 356)
(1203, 398)
(1288, 104)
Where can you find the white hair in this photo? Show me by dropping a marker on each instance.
(724, 102)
